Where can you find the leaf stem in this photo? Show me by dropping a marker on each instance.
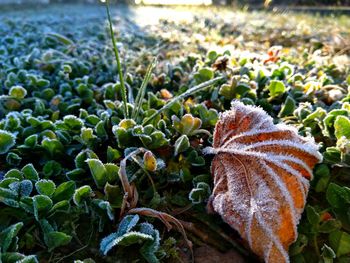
(317, 250)
(116, 53)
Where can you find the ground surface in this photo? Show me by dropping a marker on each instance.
(62, 56)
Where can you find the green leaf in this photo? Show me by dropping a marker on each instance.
(200, 193)
(45, 187)
(14, 173)
(81, 194)
(15, 257)
(114, 195)
(87, 136)
(298, 246)
(52, 168)
(45, 226)
(327, 254)
(312, 215)
(125, 240)
(128, 223)
(315, 118)
(338, 196)
(181, 144)
(8, 197)
(92, 119)
(64, 191)
(203, 75)
(80, 159)
(53, 146)
(43, 83)
(105, 206)
(330, 226)
(342, 127)
(26, 203)
(31, 141)
(330, 119)
(87, 260)
(77, 174)
(185, 174)
(8, 235)
(61, 206)
(212, 55)
(132, 238)
(322, 177)
(187, 125)
(332, 155)
(227, 91)
(112, 154)
(112, 171)
(30, 173)
(100, 130)
(4, 183)
(340, 242)
(150, 247)
(98, 172)
(13, 159)
(124, 227)
(158, 139)
(241, 89)
(288, 107)
(195, 159)
(56, 239)
(18, 92)
(7, 141)
(41, 203)
(276, 88)
(12, 122)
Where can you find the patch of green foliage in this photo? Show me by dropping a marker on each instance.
(69, 148)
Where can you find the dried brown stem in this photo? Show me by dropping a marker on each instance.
(131, 195)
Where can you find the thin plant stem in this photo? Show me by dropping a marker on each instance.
(189, 92)
(116, 53)
(79, 249)
(317, 250)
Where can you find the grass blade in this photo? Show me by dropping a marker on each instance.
(116, 53)
(142, 91)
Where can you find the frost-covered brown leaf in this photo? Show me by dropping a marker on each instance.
(261, 178)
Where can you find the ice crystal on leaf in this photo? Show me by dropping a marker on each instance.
(261, 178)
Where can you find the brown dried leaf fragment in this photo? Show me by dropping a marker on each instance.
(261, 178)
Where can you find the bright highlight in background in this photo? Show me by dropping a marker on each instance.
(174, 2)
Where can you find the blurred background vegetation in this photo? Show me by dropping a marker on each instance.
(218, 2)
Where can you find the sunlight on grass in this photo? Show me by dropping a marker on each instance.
(174, 2)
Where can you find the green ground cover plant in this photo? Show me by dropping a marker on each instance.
(74, 137)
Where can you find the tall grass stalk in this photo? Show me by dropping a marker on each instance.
(116, 53)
